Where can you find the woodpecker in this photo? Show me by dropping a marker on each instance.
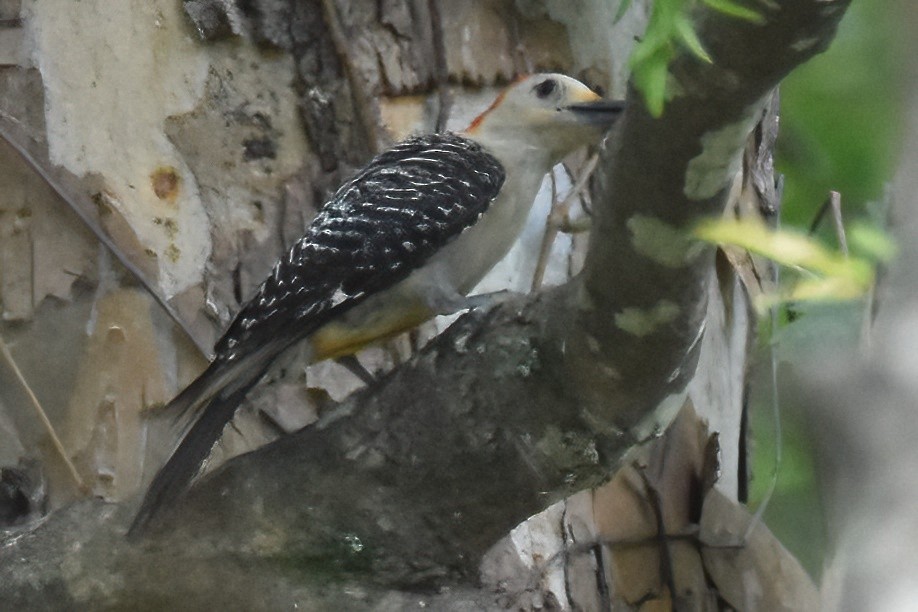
(404, 240)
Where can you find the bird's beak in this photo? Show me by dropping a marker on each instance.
(597, 112)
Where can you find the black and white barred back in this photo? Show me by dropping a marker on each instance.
(406, 205)
(400, 210)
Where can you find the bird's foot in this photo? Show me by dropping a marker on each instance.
(488, 301)
(451, 302)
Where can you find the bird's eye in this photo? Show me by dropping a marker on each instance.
(545, 88)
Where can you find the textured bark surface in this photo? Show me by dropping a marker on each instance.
(408, 484)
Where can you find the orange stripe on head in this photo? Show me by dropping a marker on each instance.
(476, 122)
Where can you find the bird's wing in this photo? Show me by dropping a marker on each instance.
(406, 205)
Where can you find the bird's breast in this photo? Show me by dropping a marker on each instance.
(453, 271)
(464, 262)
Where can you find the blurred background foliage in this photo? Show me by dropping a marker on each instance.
(840, 122)
(840, 130)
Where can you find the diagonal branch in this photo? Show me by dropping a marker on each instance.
(516, 408)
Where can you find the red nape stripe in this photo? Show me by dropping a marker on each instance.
(476, 122)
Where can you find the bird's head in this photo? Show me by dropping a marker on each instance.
(549, 113)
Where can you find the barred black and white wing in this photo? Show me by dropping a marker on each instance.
(406, 205)
(386, 222)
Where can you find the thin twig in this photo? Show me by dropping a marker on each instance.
(548, 238)
(690, 533)
(558, 218)
(835, 201)
(441, 69)
(817, 220)
(353, 365)
(43, 417)
(832, 203)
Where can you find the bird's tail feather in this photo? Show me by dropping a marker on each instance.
(175, 476)
(183, 405)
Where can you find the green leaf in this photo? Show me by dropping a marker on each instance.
(871, 242)
(650, 78)
(728, 7)
(646, 50)
(690, 39)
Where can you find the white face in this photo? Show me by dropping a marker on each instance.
(535, 111)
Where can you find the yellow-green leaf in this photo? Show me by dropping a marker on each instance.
(728, 7)
(832, 275)
(827, 289)
(690, 39)
(871, 242)
(785, 247)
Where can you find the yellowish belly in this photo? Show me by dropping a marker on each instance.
(350, 334)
